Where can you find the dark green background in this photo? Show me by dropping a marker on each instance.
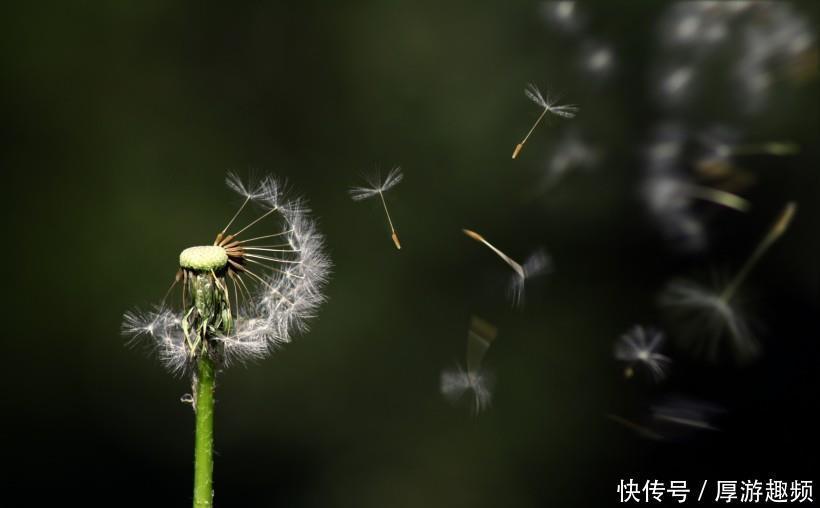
(119, 122)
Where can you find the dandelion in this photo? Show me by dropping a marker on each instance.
(536, 264)
(241, 298)
(457, 381)
(640, 346)
(709, 314)
(549, 105)
(379, 187)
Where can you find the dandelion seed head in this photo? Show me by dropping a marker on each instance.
(203, 257)
(263, 281)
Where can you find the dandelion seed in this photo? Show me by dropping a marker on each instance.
(676, 82)
(670, 193)
(778, 41)
(455, 382)
(379, 187)
(597, 59)
(561, 14)
(640, 346)
(236, 304)
(720, 145)
(709, 314)
(600, 59)
(680, 412)
(674, 418)
(565, 9)
(550, 106)
(536, 264)
(572, 152)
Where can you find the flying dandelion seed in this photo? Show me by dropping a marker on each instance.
(378, 188)
(538, 263)
(671, 193)
(769, 41)
(670, 207)
(561, 14)
(720, 145)
(677, 414)
(241, 298)
(597, 59)
(675, 84)
(572, 152)
(457, 381)
(550, 106)
(673, 419)
(775, 41)
(640, 346)
(708, 315)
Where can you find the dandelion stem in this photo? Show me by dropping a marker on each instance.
(203, 455)
(393, 234)
(511, 262)
(520, 145)
(778, 228)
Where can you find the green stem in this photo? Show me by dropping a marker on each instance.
(203, 455)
